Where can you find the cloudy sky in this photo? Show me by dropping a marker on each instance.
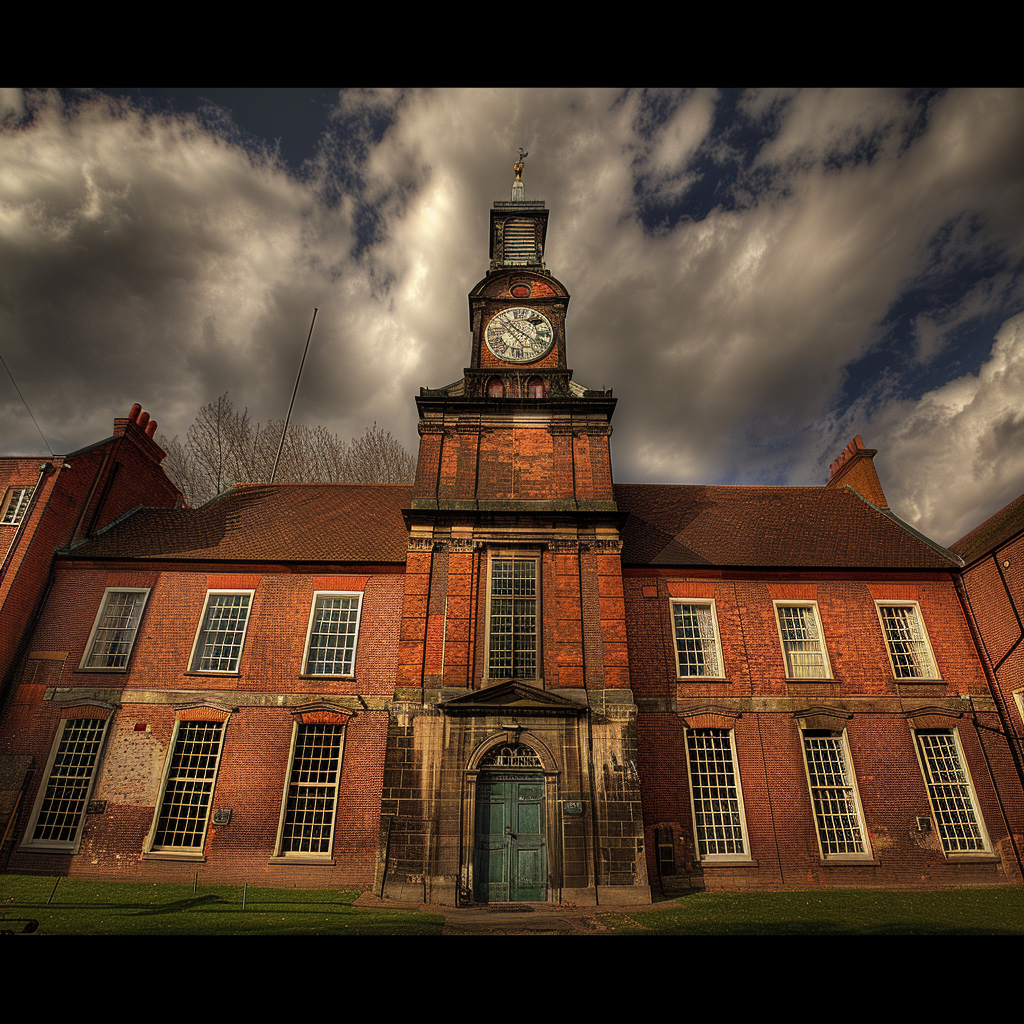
(759, 275)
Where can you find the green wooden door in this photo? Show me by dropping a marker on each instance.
(510, 863)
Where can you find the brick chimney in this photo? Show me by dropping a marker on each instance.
(855, 468)
(146, 429)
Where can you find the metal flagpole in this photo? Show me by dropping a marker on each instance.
(295, 389)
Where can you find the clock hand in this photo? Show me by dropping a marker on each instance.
(522, 334)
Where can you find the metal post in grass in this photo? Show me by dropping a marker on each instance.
(245, 889)
(53, 890)
(195, 884)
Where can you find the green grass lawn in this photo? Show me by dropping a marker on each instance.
(117, 908)
(837, 912)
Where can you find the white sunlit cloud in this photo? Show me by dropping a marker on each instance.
(955, 455)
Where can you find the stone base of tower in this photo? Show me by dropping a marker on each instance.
(513, 794)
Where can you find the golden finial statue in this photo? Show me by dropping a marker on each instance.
(518, 165)
(518, 188)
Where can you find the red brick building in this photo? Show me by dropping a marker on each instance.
(800, 657)
(514, 680)
(53, 503)
(992, 586)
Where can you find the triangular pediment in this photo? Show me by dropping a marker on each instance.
(513, 694)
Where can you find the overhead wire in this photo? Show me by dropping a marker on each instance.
(27, 409)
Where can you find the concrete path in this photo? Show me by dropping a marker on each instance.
(517, 918)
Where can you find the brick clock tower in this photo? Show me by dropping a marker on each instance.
(510, 773)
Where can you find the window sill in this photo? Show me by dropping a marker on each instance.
(199, 857)
(701, 679)
(916, 681)
(108, 671)
(748, 862)
(71, 848)
(321, 860)
(349, 677)
(213, 675)
(497, 680)
(851, 862)
(973, 858)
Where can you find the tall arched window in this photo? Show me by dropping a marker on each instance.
(537, 388)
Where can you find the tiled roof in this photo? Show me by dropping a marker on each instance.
(771, 527)
(995, 531)
(261, 522)
(663, 525)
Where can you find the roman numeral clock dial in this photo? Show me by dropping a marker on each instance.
(519, 334)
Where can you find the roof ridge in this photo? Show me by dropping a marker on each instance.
(889, 514)
(989, 525)
(307, 483)
(742, 487)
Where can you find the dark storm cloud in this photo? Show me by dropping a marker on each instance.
(758, 275)
(145, 258)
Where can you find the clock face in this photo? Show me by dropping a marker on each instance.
(519, 334)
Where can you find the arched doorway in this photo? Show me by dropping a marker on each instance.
(510, 863)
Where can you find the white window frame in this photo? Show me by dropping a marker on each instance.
(934, 666)
(685, 602)
(515, 556)
(68, 845)
(88, 654)
(16, 503)
(333, 788)
(317, 596)
(195, 851)
(195, 658)
(850, 794)
(738, 811)
(826, 664)
(1018, 697)
(968, 792)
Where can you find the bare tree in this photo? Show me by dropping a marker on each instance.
(224, 447)
(377, 458)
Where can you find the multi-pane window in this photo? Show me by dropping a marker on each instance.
(18, 499)
(185, 804)
(310, 801)
(113, 633)
(950, 792)
(834, 795)
(803, 645)
(218, 646)
(61, 809)
(512, 637)
(715, 792)
(333, 630)
(698, 652)
(1019, 698)
(907, 641)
